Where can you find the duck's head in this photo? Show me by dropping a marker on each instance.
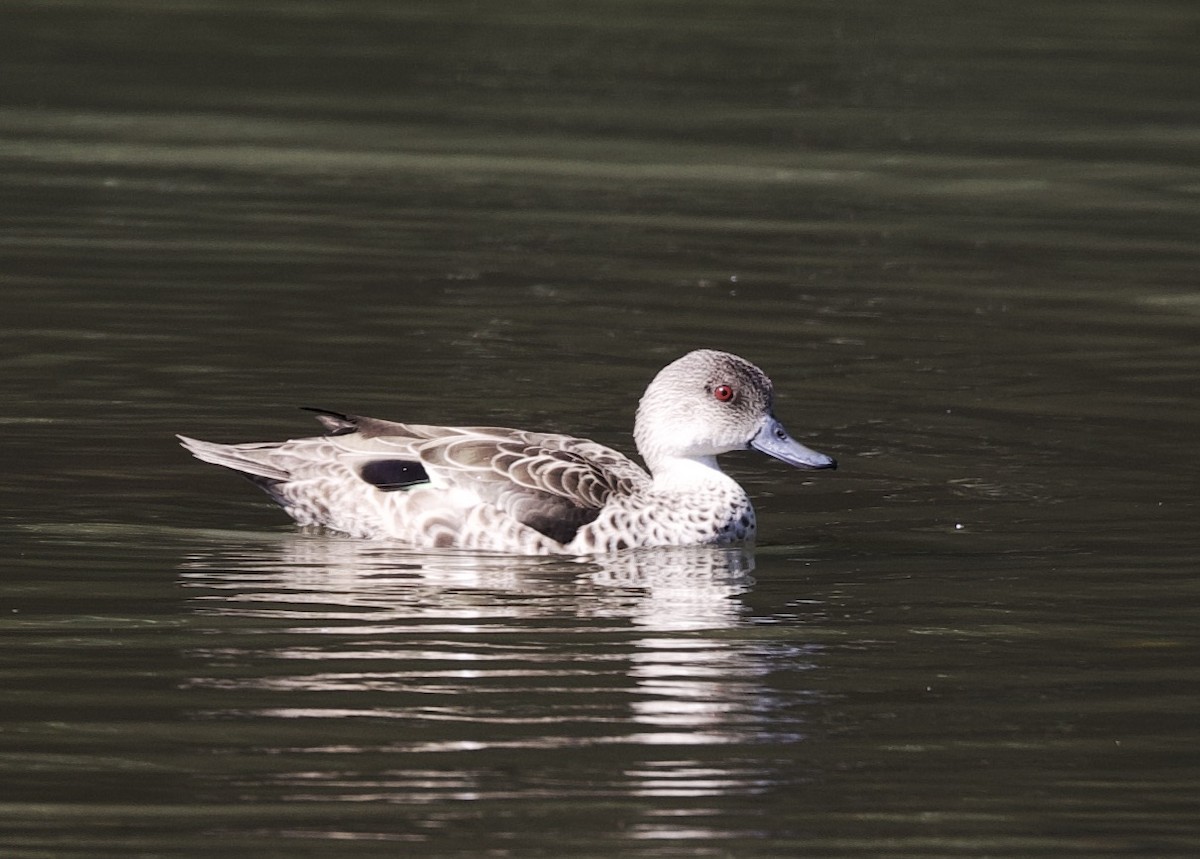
(709, 402)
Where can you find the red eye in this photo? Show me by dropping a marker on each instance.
(724, 393)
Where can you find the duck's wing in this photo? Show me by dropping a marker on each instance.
(552, 483)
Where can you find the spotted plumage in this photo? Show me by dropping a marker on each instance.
(507, 490)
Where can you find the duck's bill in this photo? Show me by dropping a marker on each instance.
(773, 440)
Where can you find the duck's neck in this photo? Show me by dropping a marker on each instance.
(688, 473)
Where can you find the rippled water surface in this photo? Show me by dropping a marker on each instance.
(963, 242)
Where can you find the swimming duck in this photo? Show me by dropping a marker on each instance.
(507, 490)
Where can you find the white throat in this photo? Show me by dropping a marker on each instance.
(682, 473)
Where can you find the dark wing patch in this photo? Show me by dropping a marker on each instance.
(557, 517)
(391, 475)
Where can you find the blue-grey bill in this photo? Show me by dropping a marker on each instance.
(773, 440)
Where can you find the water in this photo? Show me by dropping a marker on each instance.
(962, 242)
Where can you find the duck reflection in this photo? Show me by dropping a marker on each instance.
(503, 671)
(666, 589)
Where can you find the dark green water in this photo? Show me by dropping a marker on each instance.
(963, 240)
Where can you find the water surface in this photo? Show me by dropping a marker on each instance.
(962, 242)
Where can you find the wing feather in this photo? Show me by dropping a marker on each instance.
(552, 483)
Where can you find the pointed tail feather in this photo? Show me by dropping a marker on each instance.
(249, 459)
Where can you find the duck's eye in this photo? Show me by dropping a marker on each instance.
(724, 393)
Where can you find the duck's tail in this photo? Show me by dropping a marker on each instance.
(250, 460)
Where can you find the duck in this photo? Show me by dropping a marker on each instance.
(513, 491)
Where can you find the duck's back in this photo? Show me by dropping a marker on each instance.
(488, 488)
